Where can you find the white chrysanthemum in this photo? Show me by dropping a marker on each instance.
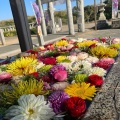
(40, 64)
(72, 58)
(79, 66)
(97, 70)
(92, 59)
(30, 107)
(66, 65)
(81, 39)
(101, 44)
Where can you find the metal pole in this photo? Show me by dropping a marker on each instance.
(95, 14)
(21, 23)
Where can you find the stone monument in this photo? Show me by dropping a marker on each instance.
(102, 22)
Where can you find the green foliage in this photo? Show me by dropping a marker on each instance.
(89, 13)
(33, 31)
(4, 23)
(31, 19)
(14, 33)
(10, 33)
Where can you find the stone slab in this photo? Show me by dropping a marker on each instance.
(106, 104)
(116, 23)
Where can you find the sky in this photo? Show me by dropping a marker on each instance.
(6, 13)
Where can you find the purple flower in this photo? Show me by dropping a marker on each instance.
(56, 68)
(56, 99)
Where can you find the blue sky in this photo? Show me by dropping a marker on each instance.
(5, 10)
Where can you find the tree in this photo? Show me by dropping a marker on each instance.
(89, 13)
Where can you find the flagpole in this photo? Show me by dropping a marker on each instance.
(39, 31)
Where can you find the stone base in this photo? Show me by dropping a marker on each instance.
(102, 24)
(116, 23)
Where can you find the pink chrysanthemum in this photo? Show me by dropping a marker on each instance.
(5, 77)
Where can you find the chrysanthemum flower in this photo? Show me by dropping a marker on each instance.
(97, 70)
(92, 59)
(60, 85)
(22, 66)
(79, 66)
(82, 90)
(95, 80)
(86, 43)
(56, 68)
(61, 75)
(102, 64)
(108, 60)
(61, 43)
(56, 99)
(5, 77)
(32, 86)
(60, 58)
(82, 55)
(102, 52)
(80, 78)
(75, 106)
(30, 107)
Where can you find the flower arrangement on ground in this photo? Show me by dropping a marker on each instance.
(56, 79)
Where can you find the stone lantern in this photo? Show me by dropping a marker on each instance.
(102, 22)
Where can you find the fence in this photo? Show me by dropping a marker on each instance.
(12, 28)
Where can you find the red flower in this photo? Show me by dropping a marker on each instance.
(103, 39)
(75, 106)
(32, 51)
(93, 45)
(49, 61)
(49, 46)
(47, 79)
(95, 80)
(102, 64)
(35, 74)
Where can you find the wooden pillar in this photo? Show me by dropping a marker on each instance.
(80, 18)
(21, 23)
(70, 17)
(51, 14)
(43, 25)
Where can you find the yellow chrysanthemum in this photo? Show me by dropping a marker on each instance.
(82, 90)
(61, 43)
(117, 46)
(60, 58)
(103, 52)
(24, 87)
(86, 43)
(22, 66)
